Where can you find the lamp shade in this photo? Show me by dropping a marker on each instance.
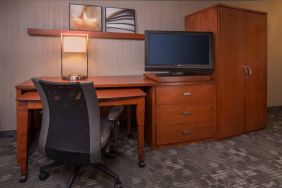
(74, 50)
(74, 44)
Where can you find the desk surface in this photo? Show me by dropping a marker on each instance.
(99, 82)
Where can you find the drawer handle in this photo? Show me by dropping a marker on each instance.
(187, 132)
(187, 93)
(186, 113)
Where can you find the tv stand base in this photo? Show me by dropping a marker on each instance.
(167, 77)
(180, 109)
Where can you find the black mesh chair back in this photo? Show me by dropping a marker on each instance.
(70, 130)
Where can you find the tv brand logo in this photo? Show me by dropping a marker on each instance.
(179, 65)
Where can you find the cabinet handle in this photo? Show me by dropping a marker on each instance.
(187, 93)
(187, 132)
(250, 70)
(245, 70)
(186, 113)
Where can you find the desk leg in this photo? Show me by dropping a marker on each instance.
(129, 130)
(140, 116)
(22, 131)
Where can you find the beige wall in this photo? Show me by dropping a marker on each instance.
(275, 54)
(23, 56)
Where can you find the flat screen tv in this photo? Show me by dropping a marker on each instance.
(179, 52)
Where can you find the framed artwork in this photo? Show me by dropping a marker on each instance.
(120, 20)
(85, 17)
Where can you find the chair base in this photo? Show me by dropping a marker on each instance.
(73, 176)
(109, 152)
(44, 174)
(107, 171)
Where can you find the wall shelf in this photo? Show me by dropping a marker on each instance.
(102, 35)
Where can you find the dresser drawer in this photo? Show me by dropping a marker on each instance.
(177, 114)
(175, 133)
(179, 94)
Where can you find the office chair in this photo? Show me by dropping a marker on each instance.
(72, 131)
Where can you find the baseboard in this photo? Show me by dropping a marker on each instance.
(273, 108)
(8, 134)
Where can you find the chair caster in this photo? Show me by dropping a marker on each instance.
(118, 184)
(141, 164)
(110, 155)
(43, 175)
(23, 178)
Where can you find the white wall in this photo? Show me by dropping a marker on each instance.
(23, 56)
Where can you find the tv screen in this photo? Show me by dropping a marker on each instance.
(179, 51)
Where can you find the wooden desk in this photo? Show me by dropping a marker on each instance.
(111, 90)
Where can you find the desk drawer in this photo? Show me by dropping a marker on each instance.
(179, 94)
(175, 133)
(176, 114)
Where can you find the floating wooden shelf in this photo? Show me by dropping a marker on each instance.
(102, 35)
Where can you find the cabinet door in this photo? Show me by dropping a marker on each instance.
(256, 82)
(229, 72)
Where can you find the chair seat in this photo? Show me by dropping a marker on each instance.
(81, 157)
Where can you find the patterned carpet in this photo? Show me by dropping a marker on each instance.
(251, 160)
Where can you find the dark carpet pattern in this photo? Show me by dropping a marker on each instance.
(250, 160)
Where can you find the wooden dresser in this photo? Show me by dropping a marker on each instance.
(183, 110)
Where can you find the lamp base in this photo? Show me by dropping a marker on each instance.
(74, 77)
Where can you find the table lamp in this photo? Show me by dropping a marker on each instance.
(74, 54)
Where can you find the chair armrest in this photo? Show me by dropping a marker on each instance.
(115, 113)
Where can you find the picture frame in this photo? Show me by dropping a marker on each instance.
(121, 20)
(85, 17)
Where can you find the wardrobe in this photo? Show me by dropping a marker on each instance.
(240, 60)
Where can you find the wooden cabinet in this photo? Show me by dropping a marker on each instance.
(240, 49)
(182, 112)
